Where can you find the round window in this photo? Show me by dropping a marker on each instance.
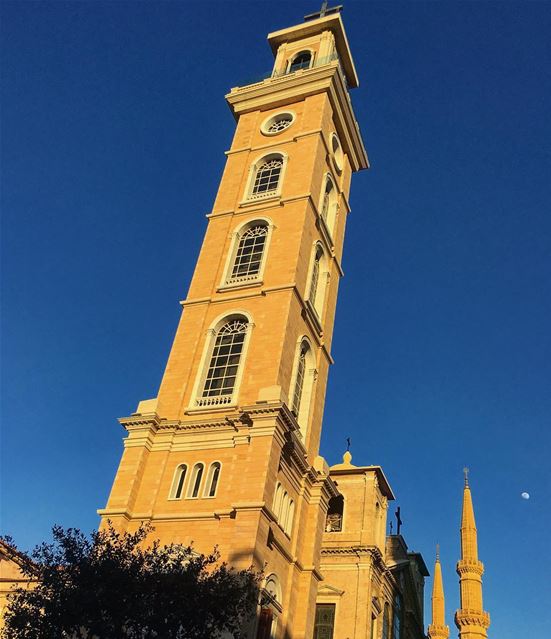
(337, 152)
(277, 123)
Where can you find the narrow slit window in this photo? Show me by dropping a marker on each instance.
(267, 176)
(195, 482)
(250, 250)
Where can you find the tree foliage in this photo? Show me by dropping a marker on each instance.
(112, 586)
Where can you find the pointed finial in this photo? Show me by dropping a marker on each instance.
(466, 474)
(348, 443)
(437, 552)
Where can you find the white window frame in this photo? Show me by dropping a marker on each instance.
(310, 376)
(192, 480)
(295, 55)
(333, 204)
(227, 282)
(176, 481)
(323, 281)
(338, 153)
(248, 197)
(209, 478)
(279, 114)
(221, 402)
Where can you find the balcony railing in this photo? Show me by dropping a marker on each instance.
(318, 62)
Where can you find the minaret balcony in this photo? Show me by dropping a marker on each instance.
(466, 566)
(437, 631)
(476, 618)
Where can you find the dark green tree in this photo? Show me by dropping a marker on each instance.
(113, 585)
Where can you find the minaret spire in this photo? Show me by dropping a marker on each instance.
(471, 619)
(438, 628)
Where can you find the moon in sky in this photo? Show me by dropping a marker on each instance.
(525, 495)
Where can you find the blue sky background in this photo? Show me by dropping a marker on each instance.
(113, 132)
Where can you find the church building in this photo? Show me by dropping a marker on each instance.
(227, 453)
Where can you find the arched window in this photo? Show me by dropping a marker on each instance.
(335, 514)
(177, 488)
(212, 479)
(249, 253)
(267, 177)
(303, 60)
(195, 481)
(277, 499)
(386, 622)
(318, 281)
(329, 203)
(299, 378)
(284, 510)
(221, 375)
(290, 515)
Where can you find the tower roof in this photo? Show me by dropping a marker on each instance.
(438, 628)
(331, 23)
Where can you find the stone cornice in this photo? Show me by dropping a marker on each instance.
(289, 88)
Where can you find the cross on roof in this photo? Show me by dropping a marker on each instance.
(324, 11)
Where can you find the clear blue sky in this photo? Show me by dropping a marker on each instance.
(114, 127)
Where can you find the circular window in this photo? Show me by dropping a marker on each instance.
(277, 123)
(337, 152)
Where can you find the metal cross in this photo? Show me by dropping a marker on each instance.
(399, 522)
(323, 11)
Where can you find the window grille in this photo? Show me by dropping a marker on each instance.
(280, 125)
(302, 61)
(314, 280)
(324, 624)
(299, 382)
(224, 363)
(248, 257)
(266, 180)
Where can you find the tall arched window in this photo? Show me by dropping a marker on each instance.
(249, 253)
(335, 512)
(212, 479)
(303, 60)
(329, 203)
(177, 487)
(267, 177)
(318, 281)
(223, 367)
(299, 378)
(290, 515)
(195, 481)
(277, 499)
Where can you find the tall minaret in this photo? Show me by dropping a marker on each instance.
(471, 619)
(438, 628)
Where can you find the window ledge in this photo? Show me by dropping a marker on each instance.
(314, 317)
(231, 286)
(203, 410)
(260, 200)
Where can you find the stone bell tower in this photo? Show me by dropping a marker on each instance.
(228, 451)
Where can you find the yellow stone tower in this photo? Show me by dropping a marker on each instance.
(471, 619)
(438, 628)
(227, 454)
